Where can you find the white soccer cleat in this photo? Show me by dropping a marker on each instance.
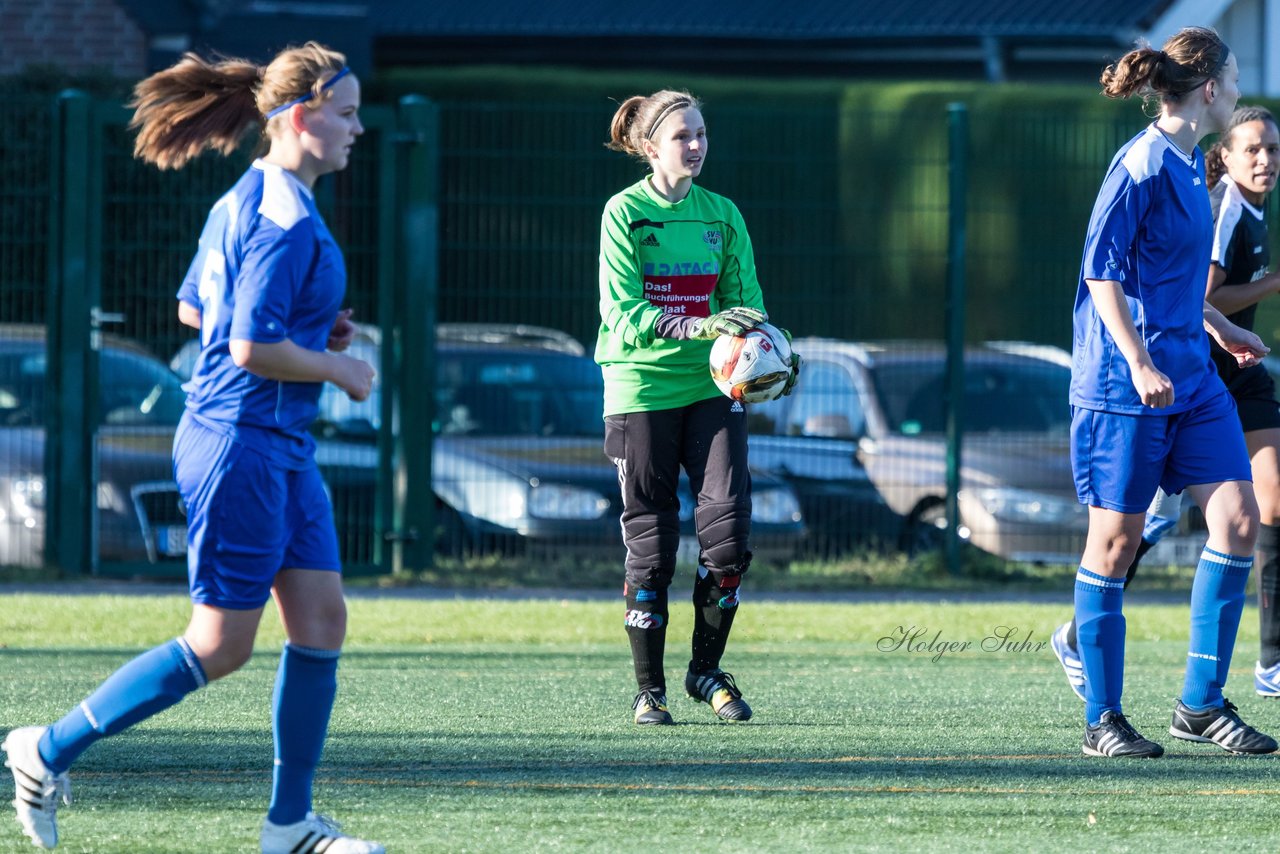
(315, 834)
(1069, 658)
(1266, 680)
(37, 789)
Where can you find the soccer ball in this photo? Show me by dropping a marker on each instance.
(754, 367)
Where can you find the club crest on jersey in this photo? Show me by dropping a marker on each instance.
(643, 619)
(711, 238)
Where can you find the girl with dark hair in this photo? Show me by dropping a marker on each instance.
(676, 271)
(265, 291)
(1148, 408)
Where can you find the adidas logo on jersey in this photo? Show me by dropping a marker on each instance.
(650, 239)
(737, 407)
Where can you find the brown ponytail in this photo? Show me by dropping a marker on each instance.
(639, 117)
(1190, 58)
(194, 105)
(199, 104)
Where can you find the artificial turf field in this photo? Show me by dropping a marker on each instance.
(504, 725)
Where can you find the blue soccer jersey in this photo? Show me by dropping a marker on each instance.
(267, 269)
(1151, 231)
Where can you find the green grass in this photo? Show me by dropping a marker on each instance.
(503, 725)
(979, 572)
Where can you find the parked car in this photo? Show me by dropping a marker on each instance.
(881, 403)
(517, 458)
(140, 402)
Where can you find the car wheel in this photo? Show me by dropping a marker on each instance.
(924, 529)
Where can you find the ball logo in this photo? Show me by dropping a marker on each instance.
(643, 619)
(753, 367)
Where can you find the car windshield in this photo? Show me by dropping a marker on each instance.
(491, 393)
(518, 394)
(136, 390)
(1006, 396)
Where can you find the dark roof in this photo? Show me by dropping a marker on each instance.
(1109, 20)
(254, 29)
(998, 39)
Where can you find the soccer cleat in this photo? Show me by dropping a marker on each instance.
(1266, 680)
(1069, 659)
(1115, 736)
(717, 688)
(651, 708)
(315, 834)
(1221, 726)
(38, 789)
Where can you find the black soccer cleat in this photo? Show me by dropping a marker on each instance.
(1222, 727)
(651, 708)
(1115, 736)
(718, 689)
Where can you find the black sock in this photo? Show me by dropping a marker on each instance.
(715, 602)
(1268, 557)
(646, 624)
(1143, 547)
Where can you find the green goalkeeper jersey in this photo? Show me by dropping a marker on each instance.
(692, 258)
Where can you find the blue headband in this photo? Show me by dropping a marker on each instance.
(328, 84)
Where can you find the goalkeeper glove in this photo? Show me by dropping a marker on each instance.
(731, 321)
(795, 373)
(795, 365)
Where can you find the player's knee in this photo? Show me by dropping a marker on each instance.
(723, 532)
(729, 557)
(323, 626)
(651, 576)
(1266, 488)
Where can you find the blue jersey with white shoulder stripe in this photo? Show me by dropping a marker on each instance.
(267, 270)
(1151, 231)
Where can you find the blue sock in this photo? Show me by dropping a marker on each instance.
(305, 688)
(1217, 599)
(150, 683)
(1100, 630)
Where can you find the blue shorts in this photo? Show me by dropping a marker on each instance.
(247, 519)
(1119, 460)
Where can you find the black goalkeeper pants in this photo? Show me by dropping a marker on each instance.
(708, 439)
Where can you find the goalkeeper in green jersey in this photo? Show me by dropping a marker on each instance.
(676, 271)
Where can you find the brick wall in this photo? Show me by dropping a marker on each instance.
(78, 35)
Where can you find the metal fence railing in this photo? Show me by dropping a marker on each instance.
(475, 214)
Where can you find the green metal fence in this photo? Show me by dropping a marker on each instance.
(471, 212)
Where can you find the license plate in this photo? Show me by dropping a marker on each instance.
(171, 540)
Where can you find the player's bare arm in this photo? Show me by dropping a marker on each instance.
(1238, 297)
(287, 362)
(1246, 346)
(1152, 386)
(188, 314)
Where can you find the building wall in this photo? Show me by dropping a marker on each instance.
(76, 35)
(1243, 27)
